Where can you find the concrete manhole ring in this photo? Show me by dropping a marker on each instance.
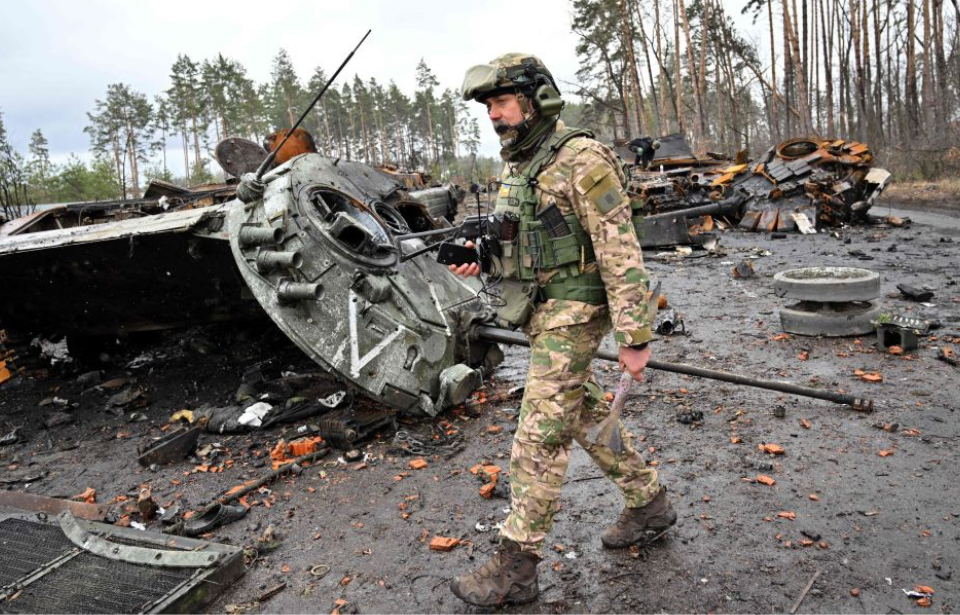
(829, 319)
(828, 284)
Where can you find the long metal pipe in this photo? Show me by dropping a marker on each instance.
(502, 336)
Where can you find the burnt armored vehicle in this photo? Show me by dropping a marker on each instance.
(321, 255)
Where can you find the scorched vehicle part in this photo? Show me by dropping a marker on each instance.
(319, 253)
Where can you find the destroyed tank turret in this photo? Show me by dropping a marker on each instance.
(321, 254)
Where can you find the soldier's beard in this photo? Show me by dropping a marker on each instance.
(509, 135)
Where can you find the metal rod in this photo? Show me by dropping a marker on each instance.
(418, 252)
(503, 336)
(270, 158)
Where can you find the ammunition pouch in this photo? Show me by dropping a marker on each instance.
(518, 302)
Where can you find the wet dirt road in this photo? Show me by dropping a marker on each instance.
(866, 525)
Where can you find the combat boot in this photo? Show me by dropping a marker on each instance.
(509, 577)
(641, 526)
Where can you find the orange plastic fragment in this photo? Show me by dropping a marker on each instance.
(487, 490)
(763, 479)
(773, 449)
(805, 423)
(418, 464)
(925, 602)
(924, 589)
(885, 452)
(786, 514)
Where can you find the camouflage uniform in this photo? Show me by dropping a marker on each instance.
(562, 400)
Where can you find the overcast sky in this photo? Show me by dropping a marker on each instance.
(57, 56)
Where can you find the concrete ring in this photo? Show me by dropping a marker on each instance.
(830, 319)
(828, 284)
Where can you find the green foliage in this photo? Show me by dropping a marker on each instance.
(200, 173)
(77, 182)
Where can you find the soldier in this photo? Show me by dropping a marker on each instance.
(570, 264)
(644, 148)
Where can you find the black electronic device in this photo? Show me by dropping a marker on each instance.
(453, 254)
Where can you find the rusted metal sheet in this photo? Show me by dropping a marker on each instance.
(52, 506)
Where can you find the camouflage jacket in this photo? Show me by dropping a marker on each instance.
(586, 179)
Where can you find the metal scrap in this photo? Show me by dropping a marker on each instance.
(827, 182)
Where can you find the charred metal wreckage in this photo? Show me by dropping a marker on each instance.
(799, 185)
(338, 255)
(319, 254)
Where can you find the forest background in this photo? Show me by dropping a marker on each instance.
(886, 72)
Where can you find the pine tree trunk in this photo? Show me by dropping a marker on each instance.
(678, 81)
(664, 121)
(656, 94)
(196, 141)
(913, 102)
(928, 85)
(702, 72)
(186, 152)
(698, 128)
(826, 17)
(798, 72)
(633, 72)
(774, 112)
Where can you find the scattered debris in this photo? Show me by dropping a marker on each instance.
(915, 294)
(900, 332)
(175, 445)
(743, 270)
(875, 377)
(668, 322)
(253, 415)
(89, 495)
(948, 355)
(690, 417)
(440, 543)
(11, 438)
(146, 504)
(52, 506)
(214, 517)
(806, 590)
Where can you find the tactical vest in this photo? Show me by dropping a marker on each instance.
(532, 249)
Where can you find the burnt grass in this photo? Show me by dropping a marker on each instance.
(870, 525)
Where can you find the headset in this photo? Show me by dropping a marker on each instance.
(546, 96)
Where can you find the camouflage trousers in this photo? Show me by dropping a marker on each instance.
(561, 403)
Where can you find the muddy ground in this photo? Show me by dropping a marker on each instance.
(867, 525)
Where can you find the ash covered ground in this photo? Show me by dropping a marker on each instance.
(874, 497)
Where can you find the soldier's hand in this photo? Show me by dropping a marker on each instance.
(468, 269)
(634, 361)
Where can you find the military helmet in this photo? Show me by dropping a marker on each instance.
(510, 73)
